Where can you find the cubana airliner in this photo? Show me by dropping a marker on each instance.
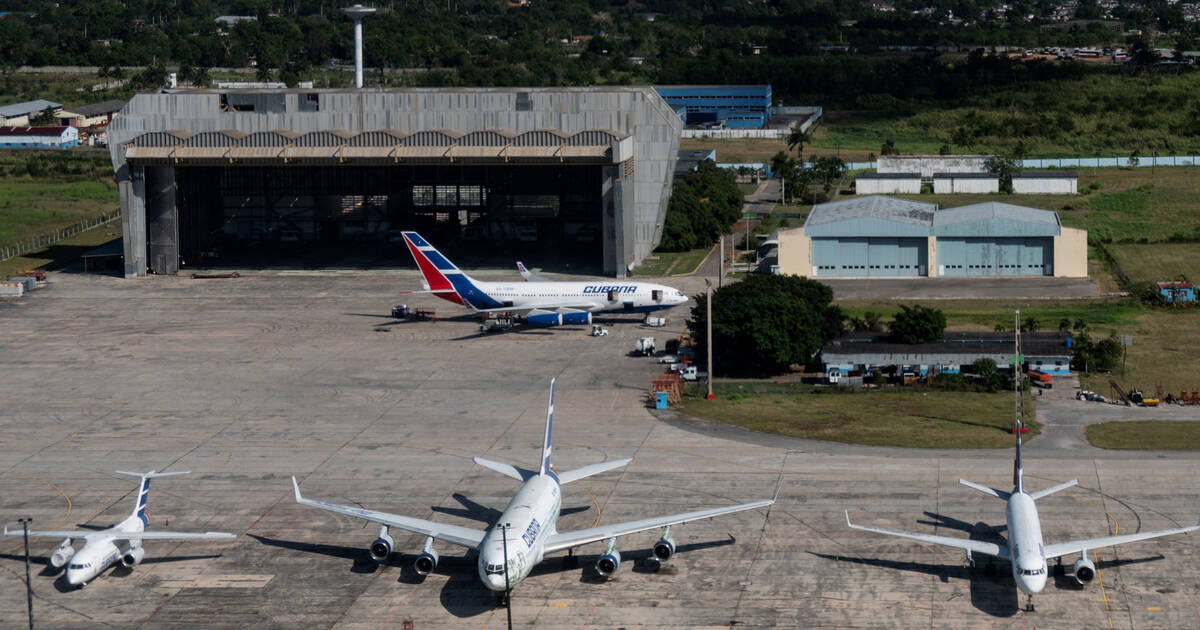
(119, 543)
(526, 531)
(539, 301)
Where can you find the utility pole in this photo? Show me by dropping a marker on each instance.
(721, 263)
(708, 334)
(28, 585)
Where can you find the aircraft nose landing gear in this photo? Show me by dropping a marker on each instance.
(1029, 604)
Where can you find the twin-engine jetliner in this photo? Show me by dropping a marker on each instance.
(539, 301)
(1025, 549)
(525, 532)
(121, 542)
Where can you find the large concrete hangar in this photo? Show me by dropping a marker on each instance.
(263, 172)
(885, 237)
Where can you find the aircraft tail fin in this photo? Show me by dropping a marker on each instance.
(546, 442)
(529, 275)
(139, 507)
(440, 275)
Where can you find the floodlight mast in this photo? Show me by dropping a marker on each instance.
(357, 13)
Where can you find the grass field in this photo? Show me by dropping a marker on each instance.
(661, 264)
(33, 208)
(986, 314)
(63, 253)
(1145, 435)
(1158, 262)
(60, 88)
(911, 418)
(1163, 352)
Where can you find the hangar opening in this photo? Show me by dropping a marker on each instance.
(577, 177)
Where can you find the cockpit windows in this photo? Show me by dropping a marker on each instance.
(493, 569)
(80, 566)
(1033, 571)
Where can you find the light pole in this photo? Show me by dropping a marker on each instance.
(708, 334)
(28, 585)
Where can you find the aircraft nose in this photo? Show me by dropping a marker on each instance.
(73, 577)
(494, 582)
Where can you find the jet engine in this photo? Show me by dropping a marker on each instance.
(543, 318)
(426, 562)
(569, 319)
(62, 554)
(664, 549)
(133, 557)
(608, 563)
(1084, 570)
(381, 548)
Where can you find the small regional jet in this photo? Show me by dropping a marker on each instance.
(121, 542)
(525, 532)
(1025, 550)
(540, 301)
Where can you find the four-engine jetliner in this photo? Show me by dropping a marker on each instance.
(121, 542)
(540, 302)
(1025, 549)
(525, 532)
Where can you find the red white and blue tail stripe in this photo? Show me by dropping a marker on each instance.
(444, 279)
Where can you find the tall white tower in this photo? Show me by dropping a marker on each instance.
(357, 13)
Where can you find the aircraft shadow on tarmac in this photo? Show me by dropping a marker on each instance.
(992, 590)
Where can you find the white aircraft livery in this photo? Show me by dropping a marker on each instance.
(1025, 549)
(526, 531)
(121, 542)
(539, 301)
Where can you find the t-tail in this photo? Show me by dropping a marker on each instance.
(444, 279)
(139, 507)
(546, 442)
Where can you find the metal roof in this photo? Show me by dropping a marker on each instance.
(32, 131)
(888, 176)
(28, 107)
(96, 109)
(995, 219)
(870, 215)
(1047, 175)
(966, 176)
(1032, 344)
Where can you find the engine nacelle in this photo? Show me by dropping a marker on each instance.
(381, 548)
(426, 562)
(608, 563)
(542, 318)
(133, 557)
(63, 554)
(664, 549)
(576, 319)
(1084, 570)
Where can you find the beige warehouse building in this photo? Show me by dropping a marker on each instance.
(885, 237)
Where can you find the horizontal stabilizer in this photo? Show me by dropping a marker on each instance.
(508, 470)
(152, 474)
(1052, 489)
(999, 494)
(588, 471)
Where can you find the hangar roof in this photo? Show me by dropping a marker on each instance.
(995, 219)
(870, 215)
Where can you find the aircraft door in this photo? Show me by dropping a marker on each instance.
(656, 295)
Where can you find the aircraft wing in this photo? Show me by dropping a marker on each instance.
(974, 546)
(1080, 546)
(558, 542)
(66, 533)
(454, 534)
(172, 536)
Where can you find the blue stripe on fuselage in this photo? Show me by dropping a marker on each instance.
(438, 260)
(470, 293)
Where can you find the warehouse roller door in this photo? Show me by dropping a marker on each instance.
(878, 257)
(1008, 256)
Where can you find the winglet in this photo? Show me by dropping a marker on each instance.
(296, 487)
(779, 484)
(848, 519)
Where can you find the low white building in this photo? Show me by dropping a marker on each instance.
(1046, 182)
(952, 183)
(887, 184)
(38, 137)
(927, 165)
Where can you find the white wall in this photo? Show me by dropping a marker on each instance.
(976, 185)
(906, 186)
(1046, 185)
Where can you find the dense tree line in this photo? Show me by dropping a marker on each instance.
(703, 205)
(478, 42)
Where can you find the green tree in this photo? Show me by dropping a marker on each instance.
(765, 324)
(986, 368)
(44, 118)
(796, 140)
(1029, 324)
(918, 324)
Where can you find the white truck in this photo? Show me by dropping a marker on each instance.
(644, 346)
(688, 373)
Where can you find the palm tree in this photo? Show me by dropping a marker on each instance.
(797, 138)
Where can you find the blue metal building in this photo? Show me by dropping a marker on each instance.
(732, 106)
(870, 236)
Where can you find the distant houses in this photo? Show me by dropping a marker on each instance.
(19, 114)
(48, 137)
(94, 115)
